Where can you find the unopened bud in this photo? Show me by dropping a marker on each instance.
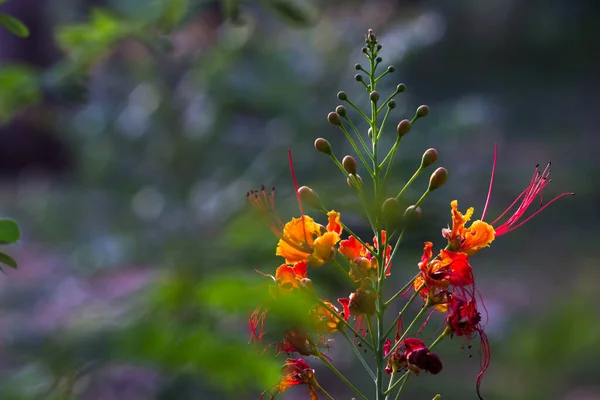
(334, 119)
(379, 48)
(378, 59)
(341, 111)
(358, 78)
(374, 96)
(429, 157)
(392, 104)
(362, 301)
(391, 211)
(413, 214)
(364, 50)
(438, 178)
(351, 180)
(401, 88)
(309, 197)
(342, 96)
(391, 69)
(403, 127)
(349, 164)
(323, 146)
(357, 67)
(422, 111)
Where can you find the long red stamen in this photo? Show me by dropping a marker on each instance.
(489, 195)
(485, 359)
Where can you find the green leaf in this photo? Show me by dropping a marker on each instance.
(14, 25)
(20, 89)
(8, 260)
(294, 12)
(9, 231)
(174, 11)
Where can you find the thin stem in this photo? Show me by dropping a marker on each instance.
(362, 114)
(412, 298)
(340, 375)
(388, 99)
(399, 292)
(356, 150)
(414, 321)
(320, 388)
(392, 387)
(357, 352)
(385, 117)
(343, 321)
(344, 272)
(405, 378)
(359, 136)
(410, 181)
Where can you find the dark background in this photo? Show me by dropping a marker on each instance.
(130, 136)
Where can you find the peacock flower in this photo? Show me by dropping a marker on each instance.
(412, 354)
(325, 320)
(362, 258)
(301, 238)
(296, 371)
(290, 277)
(438, 274)
(480, 234)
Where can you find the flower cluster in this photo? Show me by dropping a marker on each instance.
(445, 279)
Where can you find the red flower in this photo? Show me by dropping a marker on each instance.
(464, 319)
(362, 257)
(412, 354)
(296, 371)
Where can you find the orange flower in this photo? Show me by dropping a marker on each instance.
(362, 257)
(301, 238)
(480, 234)
(447, 269)
(296, 371)
(324, 319)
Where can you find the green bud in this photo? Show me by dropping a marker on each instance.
(429, 157)
(323, 146)
(391, 69)
(342, 96)
(422, 111)
(350, 181)
(341, 111)
(413, 214)
(438, 178)
(392, 104)
(378, 59)
(403, 127)
(309, 197)
(401, 88)
(379, 48)
(334, 119)
(358, 78)
(391, 211)
(374, 96)
(357, 67)
(349, 164)
(364, 50)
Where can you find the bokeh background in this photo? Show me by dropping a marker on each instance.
(131, 131)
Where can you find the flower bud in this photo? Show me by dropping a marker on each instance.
(323, 146)
(363, 302)
(357, 67)
(358, 78)
(401, 88)
(413, 214)
(378, 59)
(391, 69)
(392, 104)
(403, 127)
(350, 181)
(391, 211)
(342, 96)
(341, 111)
(309, 197)
(334, 119)
(422, 111)
(374, 96)
(429, 157)
(349, 164)
(364, 50)
(438, 178)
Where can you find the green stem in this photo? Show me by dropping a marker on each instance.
(340, 375)
(359, 136)
(399, 292)
(357, 352)
(344, 272)
(385, 117)
(362, 114)
(320, 388)
(414, 321)
(356, 150)
(412, 298)
(410, 181)
(404, 378)
(392, 387)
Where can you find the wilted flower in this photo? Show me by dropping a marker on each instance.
(412, 354)
(296, 371)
